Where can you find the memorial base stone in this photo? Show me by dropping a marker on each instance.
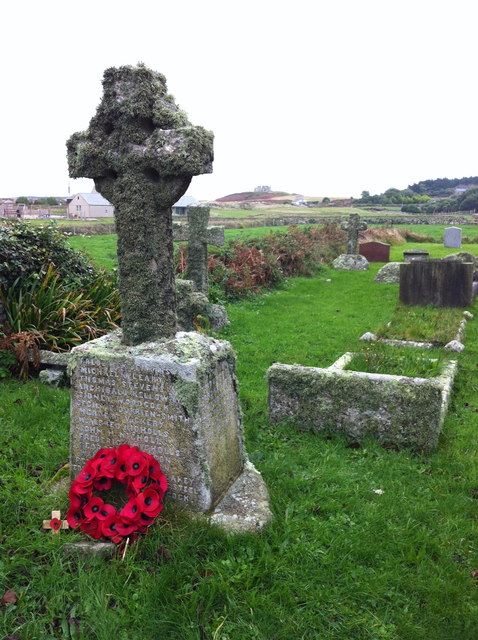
(175, 399)
(350, 262)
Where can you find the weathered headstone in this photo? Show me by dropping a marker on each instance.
(444, 283)
(353, 228)
(409, 255)
(198, 235)
(452, 237)
(375, 251)
(173, 395)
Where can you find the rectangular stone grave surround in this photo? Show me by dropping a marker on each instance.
(406, 412)
(375, 251)
(452, 237)
(176, 400)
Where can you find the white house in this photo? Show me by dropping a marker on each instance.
(179, 207)
(90, 205)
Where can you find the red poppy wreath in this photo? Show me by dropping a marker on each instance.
(145, 488)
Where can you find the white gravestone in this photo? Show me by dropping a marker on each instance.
(452, 237)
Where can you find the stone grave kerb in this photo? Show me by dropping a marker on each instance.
(142, 152)
(353, 226)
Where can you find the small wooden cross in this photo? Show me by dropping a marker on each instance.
(56, 523)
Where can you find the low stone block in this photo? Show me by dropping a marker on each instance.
(52, 377)
(90, 549)
(415, 254)
(407, 412)
(350, 262)
(388, 274)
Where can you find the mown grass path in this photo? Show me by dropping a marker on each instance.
(339, 561)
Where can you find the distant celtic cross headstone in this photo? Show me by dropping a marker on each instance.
(142, 152)
(198, 235)
(353, 227)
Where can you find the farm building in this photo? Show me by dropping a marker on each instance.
(90, 205)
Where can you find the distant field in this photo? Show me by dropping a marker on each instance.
(285, 210)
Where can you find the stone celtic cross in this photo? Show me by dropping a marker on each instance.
(353, 227)
(198, 235)
(142, 152)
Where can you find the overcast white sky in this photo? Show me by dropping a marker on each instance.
(307, 96)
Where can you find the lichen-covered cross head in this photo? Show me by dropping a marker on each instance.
(142, 152)
(138, 129)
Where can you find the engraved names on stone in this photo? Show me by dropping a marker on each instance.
(114, 403)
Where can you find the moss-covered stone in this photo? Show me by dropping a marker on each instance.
(142, 152)
(395, 409)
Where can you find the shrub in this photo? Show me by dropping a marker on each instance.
(241, 268)
(26, 249)
(61, 313)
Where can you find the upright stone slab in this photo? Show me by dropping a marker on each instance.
(452, 237)
(375, 251)
(444, 283)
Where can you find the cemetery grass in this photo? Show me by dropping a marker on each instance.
(340, 560)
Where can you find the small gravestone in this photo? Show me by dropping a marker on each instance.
(452, 237)
(444, 283)
(415, 254)
(375, 251)
(171, 394)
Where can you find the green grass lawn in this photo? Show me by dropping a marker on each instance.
(338, 561)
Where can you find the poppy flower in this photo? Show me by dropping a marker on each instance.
(125, 528)
(55, 524)
(105, 511)
(135, 463)
(91, 528)
(108, 465)
(74, 517)
(109, 525)
(153, 467)
(150, 502)
(103, 483)
(140, 482)
(102, 453)
(85, 478)
(131, 511)
(93, 507)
